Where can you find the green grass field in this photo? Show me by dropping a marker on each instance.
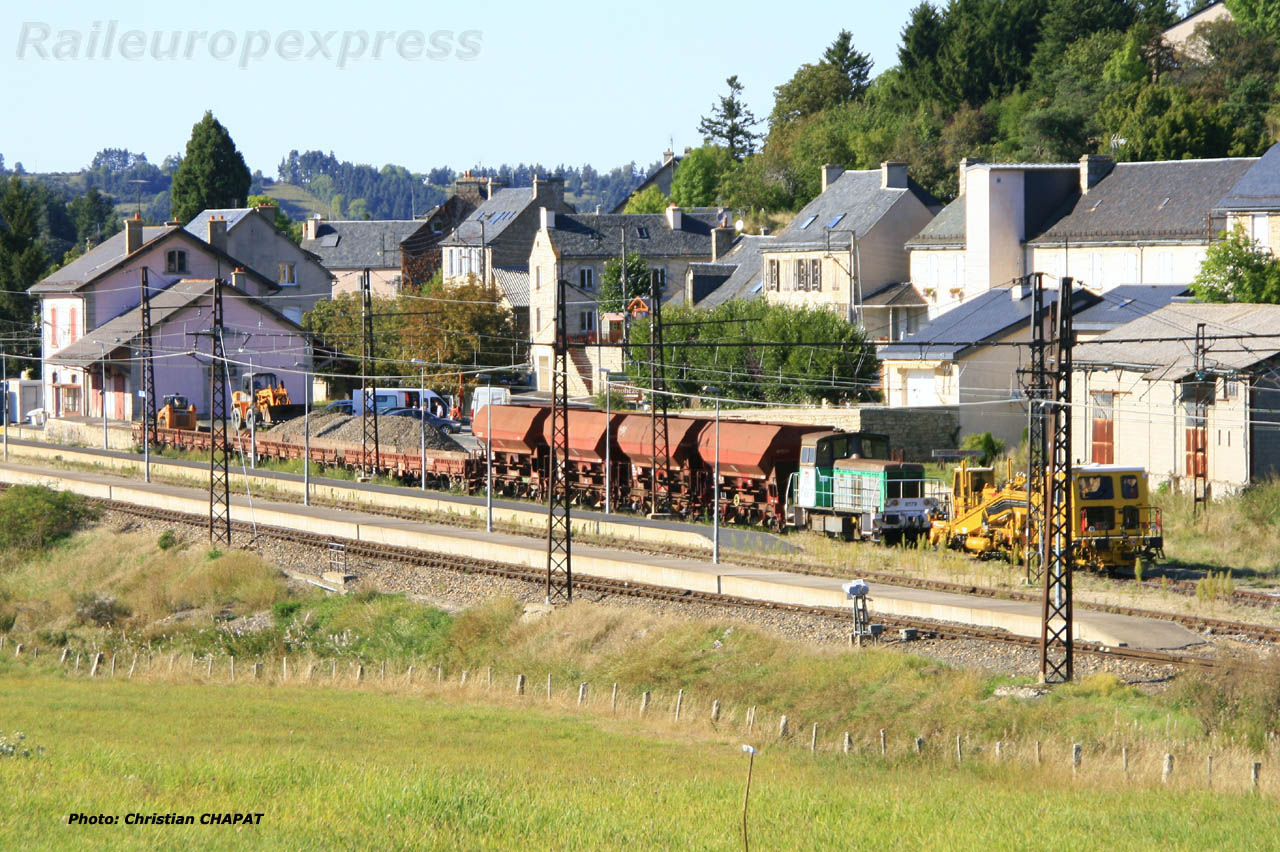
(335, 769)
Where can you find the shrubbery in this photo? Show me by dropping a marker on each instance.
(33, 517)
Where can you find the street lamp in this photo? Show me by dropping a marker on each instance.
(422, 421)
(715, 484)
(608, 463)
(488, 452)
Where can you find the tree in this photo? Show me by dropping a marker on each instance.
(212, 174)
(1260, 16)
(613, 297)
(731, 124)
(93, 216)
(648, 200)
(698, 176)
(22, 256)
(854, 65)
(1161, 122)
(811, 90)
(1236, 270)
(282, 222)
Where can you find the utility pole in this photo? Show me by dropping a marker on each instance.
(1199, 432)
(1056, 663)
(559, 567)
(219, 447)
(657, 395)
(368, 397)
(148, 378)
(1037, 391)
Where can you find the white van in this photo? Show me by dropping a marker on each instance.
(486, 395)
(387, 399)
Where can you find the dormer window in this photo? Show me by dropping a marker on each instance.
(643, 232)
(175, 262)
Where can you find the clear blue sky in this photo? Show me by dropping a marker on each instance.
(576, 82)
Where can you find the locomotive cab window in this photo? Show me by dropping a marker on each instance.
(875, 448)
(1096, 488)
(1129, 487)
(806, 455)
(1098, 519)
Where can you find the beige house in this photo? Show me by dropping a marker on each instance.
(1104, 224)
(1182, 35)
(1136, 388)
(575, 247)
(848, 243)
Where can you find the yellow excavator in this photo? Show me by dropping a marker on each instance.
(986, 519)
(263, 399)
(176, 413)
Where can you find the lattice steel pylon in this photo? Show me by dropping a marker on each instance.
(1198, 434)
(219, 446)
(369, 451)
(559, 537)
(148, 366)
(1037, 391)
(661, 453)
(1056, 646)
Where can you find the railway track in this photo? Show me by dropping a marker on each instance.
(603, 587)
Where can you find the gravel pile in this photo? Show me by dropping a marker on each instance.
(395, 434)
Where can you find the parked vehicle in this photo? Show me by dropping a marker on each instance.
(262, 398)
(444, 424)
(386, 399)
(176, 413)
(486, 395)
(341, 406)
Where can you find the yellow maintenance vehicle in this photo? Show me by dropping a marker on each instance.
(176, 413)
(262, 399)
(1113, 523)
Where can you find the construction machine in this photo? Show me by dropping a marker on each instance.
(176, 413)
(263, 399)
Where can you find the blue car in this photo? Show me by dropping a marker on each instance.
(342, 406)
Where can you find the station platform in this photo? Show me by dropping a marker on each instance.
(1017, 617)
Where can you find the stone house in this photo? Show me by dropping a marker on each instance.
(847, 244)
(660, 177)
(575, 247)
(249, 235)
(348, 248)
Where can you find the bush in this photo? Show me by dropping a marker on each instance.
(285, 610)
(167, 539)
(101, 610)
(32, 517)
(990, 445)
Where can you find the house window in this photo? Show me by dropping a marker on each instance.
(71, 327)
(586, 278)
(53, 329)
(815, 275)
(586, 321)
(175, 262)
(1230, 388)
(802, 275)
(643, 232)
(436, 227)
(1261, 231)
(1103, 438)
(537, 320)
(808, 222)
(286, 274)
(537, 282)
(771, 277)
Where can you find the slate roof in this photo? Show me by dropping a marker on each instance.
(497, 213)
(1175, 358)
(1259, 188)
(358, 244)
(199, 226)
(514, 283)
(946, 230)
(1167, 200)
(1126, 303)
(128, 326)
(600, 234)
(94, 262)
(897, 295)
(972, 323)
(747, 280)
(855, 202)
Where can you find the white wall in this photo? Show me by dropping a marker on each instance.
(994, 216)
(1105, 267)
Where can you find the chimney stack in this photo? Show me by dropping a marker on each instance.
(830, 174)
(1093, 168)
(239, 278)
(311, 226)
(549, 191)
(547, 218)
(675, 219)
(132, 234)
(964, 164)
(893, 175)
(469, 188)
(667, 156)
(218, 233)
(721, 242)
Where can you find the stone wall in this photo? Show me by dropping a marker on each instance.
(916, 431)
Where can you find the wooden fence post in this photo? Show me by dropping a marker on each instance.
(233, 669)
(1254, 772)
(409, 675)
(751, 718)
(1038, 755)
(613, 700)
(782, 728)
(679, 702)
(133, 665)
(582, 693)
(883, 744)
(97, 661)
(1075, 758)
(959, 749)
(813, 739)
(519, 684)
(1208, 771)
(548, 686)
(1124, 759)
(715, 711)
(919, 745)
(1167, 770)
(644, 702)
(848, 742)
